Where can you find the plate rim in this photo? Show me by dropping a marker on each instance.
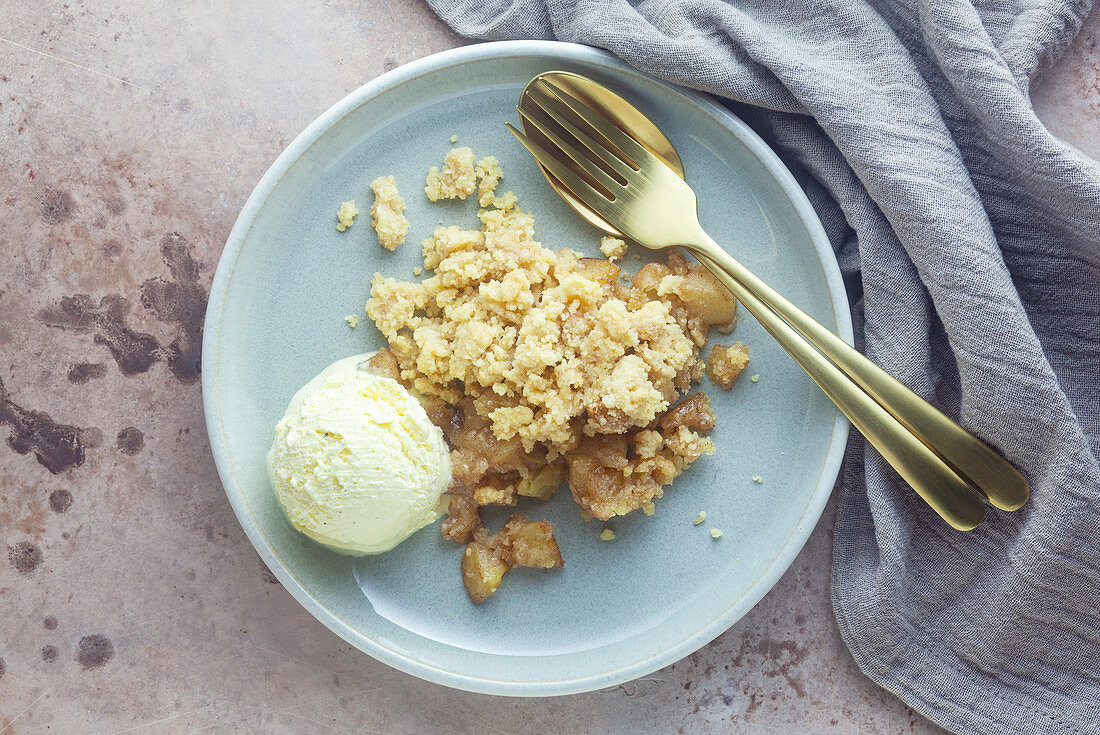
(212, 409)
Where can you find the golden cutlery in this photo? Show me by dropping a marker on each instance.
(578, 132)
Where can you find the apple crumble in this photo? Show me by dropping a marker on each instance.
(542, 367)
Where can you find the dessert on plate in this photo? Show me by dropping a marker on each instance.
(537, 367)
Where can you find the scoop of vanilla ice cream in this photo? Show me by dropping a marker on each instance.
(356, 463)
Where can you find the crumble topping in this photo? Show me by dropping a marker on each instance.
(613, 248)
(345, 216)
(386, 214)
(456, 180)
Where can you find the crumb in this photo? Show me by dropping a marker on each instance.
(489, 175)
(758, 479)
(417, 271)
(637, 256)
(607, 535)
(755, 378)
(386, 213)
(346, 215)
(716, 533)
(454, 139)
(352, 320)
(700, 518)
(458, 178)
(725, 363)
(612, 248)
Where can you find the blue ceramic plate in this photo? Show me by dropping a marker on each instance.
(617, 610)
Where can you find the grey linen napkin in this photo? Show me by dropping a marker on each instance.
(970, 242)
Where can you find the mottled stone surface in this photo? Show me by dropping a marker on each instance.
(130, 600)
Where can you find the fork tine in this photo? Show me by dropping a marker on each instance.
(597, 149)
(543, 95)
(634, 151)
(586, 165)
(583, 190)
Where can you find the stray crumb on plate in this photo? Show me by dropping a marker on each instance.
(352, 320)
(612, 248)
(700, 518)
(417, 271)
(457, 179)
(716, 533)
(755, 378)
(386, 214)
(607, 535)
(758, 479)
(345, 216)
(454, 139)
(725, 363)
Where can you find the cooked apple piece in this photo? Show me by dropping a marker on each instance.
(706, 299)
(694, 412)
(542, 483)
(495, 491)
(697, 299)
(532, 543)
(649, 276)
(384, 365)
(447, 417)
(600, 270)
(725, 363)
(597, 480)
(463, 518)
(475, 440)
(482, 570)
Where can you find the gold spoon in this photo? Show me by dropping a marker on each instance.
(616, 168)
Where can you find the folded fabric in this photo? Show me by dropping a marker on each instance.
(969, 238)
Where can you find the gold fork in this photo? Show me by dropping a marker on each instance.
(607, 171)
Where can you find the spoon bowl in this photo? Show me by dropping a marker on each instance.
(617, 110)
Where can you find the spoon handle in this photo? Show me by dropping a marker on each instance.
(980, 466)
(940, 486)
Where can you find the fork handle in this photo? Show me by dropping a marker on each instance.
(969, 456)
(934, 480)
